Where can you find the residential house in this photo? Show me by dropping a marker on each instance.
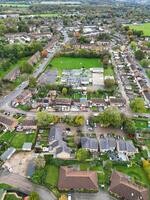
(56, 144)
(90, 144)
(126, 147)
(107, 144)
(29, 125)
(34, 59)
(70, 178)
(118, 102)
(8, 122)
(122, 187)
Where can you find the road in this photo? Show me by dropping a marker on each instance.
(26, 185)
(12, 95)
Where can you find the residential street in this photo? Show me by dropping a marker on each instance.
(26, 186)
(7, 99)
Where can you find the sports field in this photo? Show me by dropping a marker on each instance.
(62, 63)
(142, 27)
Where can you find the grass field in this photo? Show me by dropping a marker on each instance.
(20, 138)
(62, 63)
(141, 124)
(52, 173)
(142, 27)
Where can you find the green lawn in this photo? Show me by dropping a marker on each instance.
(141, 124)
(11, 197)
(62, 63)
(143, 27)
(52, 173)
(20, 138)
(136, 173)
(148, 73)
(6, 137)
(109, 71)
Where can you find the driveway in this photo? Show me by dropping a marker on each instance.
(92, 196)
(26, 185)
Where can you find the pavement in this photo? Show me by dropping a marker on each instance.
(26, 185)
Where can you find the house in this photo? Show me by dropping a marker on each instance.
(29, 124)
(7, 154)
(12, 75)
(122, 187)
(90, 144)
(77, 180)
(63, 102)
(34, 59)
(98, 102)
(107, 144)
(56, 144)
(23, 98)
(118, 102)
(126, 147)
(8, 123)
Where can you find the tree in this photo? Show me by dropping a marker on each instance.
(79, 120)
(26, 68)
(129, 126)
(44, 119)
(34, 196)
(137, 105)
(139, 55)
(40, 162)
(133, 45)
(64, 91)
(111, 117)
(32, 82)
(109, 83)
(63, 197)
(44, 53)
(105, 59)
(144, 62)
(82, 154)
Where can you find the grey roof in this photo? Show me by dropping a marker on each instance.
(55, 134)
(126, 146)
(27, 145)
(8, 153)
(89, 143)
(107, 143)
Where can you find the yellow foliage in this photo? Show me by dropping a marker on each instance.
(63, 197)
(146, 163)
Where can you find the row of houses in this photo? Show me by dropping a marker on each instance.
(121, 185)
(124, 148)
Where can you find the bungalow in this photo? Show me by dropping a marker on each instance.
(8, 123)
(23, 98)
(122, 187)
(107, 144)
(90, 144)
(77, 180)
(126, 147)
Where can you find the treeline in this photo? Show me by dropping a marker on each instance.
(10, 54)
